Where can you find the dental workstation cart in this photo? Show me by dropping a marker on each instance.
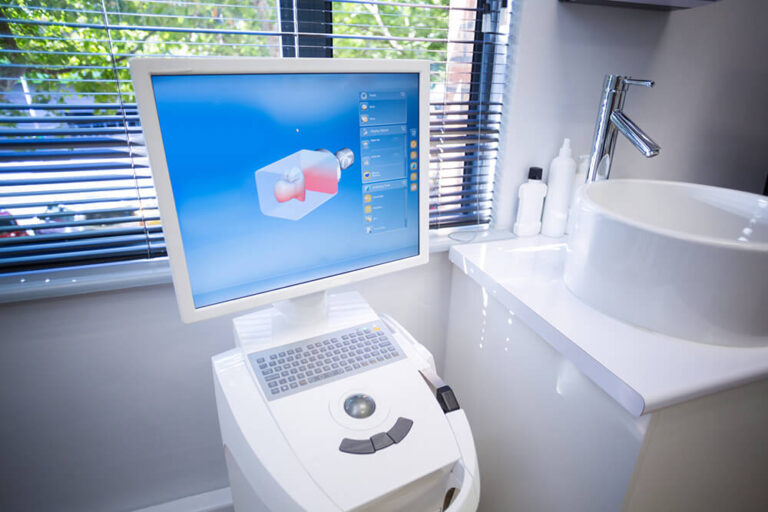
(324, 406)
(346, 413)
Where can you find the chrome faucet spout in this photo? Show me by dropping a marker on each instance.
(636, 136)
(612, 120)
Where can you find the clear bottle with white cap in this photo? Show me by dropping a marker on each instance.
(561, 175)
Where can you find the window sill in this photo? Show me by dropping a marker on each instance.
(76, 280)
(115, 276)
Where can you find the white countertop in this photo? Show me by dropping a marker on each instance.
(642, 370)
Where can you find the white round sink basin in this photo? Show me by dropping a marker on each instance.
(686, 260)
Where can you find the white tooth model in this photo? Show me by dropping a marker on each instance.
(296, 185)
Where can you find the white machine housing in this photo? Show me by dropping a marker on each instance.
(283, 455)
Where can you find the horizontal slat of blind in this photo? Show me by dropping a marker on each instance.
(75, 187)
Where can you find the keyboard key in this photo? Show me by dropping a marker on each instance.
(272, 377)
(294, 385)
(275, 391)
(272, 384)
(260, 360)
(283, 388)
(291, 351)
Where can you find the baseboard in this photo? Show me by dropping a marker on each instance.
(219, 500)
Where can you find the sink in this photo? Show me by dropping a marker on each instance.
(686, 260)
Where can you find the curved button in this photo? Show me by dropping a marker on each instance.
(357, 446)
(381, 441)
(400, 430)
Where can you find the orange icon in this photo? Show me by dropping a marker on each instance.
(414, 155)
(413, 187)
(413, 144)
(414, 176)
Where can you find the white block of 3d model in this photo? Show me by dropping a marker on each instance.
(294, 186)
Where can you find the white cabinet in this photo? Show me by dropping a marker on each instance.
(550, 439)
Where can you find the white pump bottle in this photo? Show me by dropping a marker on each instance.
(559, 187)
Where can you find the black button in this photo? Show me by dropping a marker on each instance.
(356, 446)
(381, 441)
(447, 399)
(400, 430)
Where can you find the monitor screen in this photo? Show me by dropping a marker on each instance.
(280, 179)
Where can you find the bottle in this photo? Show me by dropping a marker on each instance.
(579, 180)
(581, 175)
(562, 172)
(530, 201)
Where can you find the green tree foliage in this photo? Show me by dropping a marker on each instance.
(396, 31)
(66, 46)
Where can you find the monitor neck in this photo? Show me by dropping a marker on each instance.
(308, 308)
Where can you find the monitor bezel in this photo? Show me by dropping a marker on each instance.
(144, 68)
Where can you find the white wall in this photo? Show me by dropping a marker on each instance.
(106, 399)
(709, 107)
(706, 111)
(563, 51)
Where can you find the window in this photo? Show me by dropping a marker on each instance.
(75, 183)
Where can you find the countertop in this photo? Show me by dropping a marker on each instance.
(642, 370)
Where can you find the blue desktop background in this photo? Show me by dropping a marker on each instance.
(217, 130)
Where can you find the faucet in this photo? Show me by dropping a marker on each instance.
(611, 120)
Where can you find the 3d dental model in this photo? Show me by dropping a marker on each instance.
(295, 185)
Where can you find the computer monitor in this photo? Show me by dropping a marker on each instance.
(278, 178)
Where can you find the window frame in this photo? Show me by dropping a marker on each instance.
(69, 280)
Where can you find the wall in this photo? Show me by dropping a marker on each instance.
(563, 52)
(106, 399)
(706, 110)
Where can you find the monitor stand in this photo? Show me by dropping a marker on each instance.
(301, 318)
(309, 308)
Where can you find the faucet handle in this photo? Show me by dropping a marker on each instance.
(637, 81)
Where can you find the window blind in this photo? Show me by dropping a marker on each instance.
(75, 182)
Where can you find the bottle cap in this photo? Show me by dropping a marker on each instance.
(565, 149)
(535, 173)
